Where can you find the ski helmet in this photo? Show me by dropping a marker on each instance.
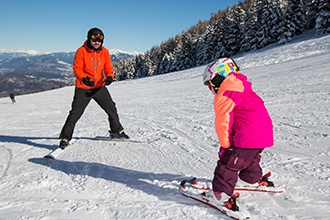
(221, 67)
(95, 31)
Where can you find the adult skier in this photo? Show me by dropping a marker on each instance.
(93, 69)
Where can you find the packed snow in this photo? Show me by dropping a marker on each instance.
(97, 179)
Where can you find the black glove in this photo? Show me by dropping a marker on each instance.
(108, 80)
(87, 81)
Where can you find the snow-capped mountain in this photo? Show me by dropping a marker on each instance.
(117, 54)
(26, 71)
(10, 54)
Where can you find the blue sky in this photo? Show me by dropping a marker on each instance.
(130, 25)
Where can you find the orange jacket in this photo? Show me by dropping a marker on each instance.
(97, 65)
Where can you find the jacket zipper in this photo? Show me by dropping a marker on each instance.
(95, 65)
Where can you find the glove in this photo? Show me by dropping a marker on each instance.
(222, 152)
(87, 82)
(108, 80)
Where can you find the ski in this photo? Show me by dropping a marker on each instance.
(258, 189)
(187, 190)
(196, 184)
(55, 153)
(205, 186)
(102, 138)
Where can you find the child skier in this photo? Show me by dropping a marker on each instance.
(243, 126)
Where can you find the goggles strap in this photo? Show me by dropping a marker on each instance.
(215, 88)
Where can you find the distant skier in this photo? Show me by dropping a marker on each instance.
(243, 126)
(93, 69)
(12, 97)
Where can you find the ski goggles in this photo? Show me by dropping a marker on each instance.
(97, 37)
(210, 85)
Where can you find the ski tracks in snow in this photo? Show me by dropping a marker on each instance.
(5, 158)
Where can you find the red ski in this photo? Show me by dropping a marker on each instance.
(262, 187)
(194, 193)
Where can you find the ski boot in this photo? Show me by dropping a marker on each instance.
(64, 143)
(264, 180)
(120, 135)
(231, 203)
(222, 200)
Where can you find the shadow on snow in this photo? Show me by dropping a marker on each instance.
(27, 141)
(162, 185)
(32, 141)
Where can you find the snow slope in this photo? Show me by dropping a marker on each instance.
(104, 180)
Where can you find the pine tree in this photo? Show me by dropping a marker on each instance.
(205, 47)
(310, 14)
(262, 32)
(323, 17)
(185, 57)
(249, 26)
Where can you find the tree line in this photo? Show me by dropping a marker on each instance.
(248, 25)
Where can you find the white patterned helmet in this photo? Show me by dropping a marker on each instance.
(221, 67)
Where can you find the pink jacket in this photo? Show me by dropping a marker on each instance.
(241, 118)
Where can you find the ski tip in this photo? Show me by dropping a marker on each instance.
(190, 181)
(50, 157)
(183, 182)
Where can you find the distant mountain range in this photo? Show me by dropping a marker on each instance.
(27, 71)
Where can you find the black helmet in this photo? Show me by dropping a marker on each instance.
(95, 31)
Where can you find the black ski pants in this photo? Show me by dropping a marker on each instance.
(80, 101)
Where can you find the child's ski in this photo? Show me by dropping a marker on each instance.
(189, 191)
